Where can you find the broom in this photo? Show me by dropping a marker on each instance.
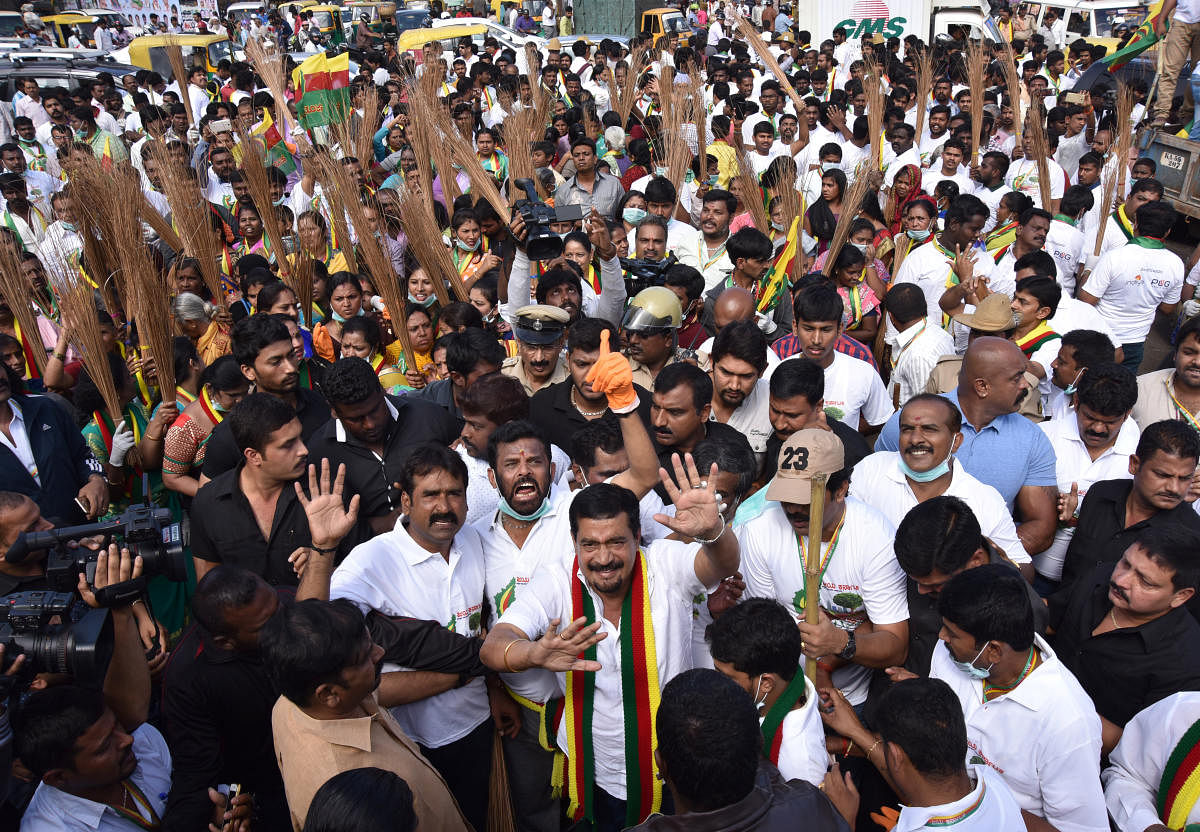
(382, 270)
(1116, 182)
(1012, 86)
(16, 292)
(924, 87)
(700, 120)
(876, 104)
(500, 809)
(429, 249)
(254, 172)
(977, 60)
(851, 204)
(339, 193)
(83, 324)
(629, 93)
(752, 193)
(1041, 152)
(175, 56)
(192, 217)
(431, 134)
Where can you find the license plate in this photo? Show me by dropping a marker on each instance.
(1175, 161)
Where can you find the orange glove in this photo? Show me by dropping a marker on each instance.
(612, 376)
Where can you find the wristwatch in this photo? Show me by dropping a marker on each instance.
(848, 651)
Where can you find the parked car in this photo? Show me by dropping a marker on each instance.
(51, 71)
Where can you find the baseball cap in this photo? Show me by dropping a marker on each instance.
(809, 451)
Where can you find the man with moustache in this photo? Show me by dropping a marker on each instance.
(680, 410)
(1126, 633)
(539, 331)
(623, 611)
(1000, 447)
(861, 581)
(925, 467)
(651, 331)
(1116, 511)
(432, 568)
(1173, 393)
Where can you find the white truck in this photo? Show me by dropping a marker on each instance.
(892, 18)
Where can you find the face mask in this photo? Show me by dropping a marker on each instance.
(758, 701)
(660, 171)
(926, 476)
(971, 670)
(80, 135)
(464, 247)
(1074, 385)
(70, 226)
(778, 226)
(860, 246)
(278, 202)
(342, 320)
(428, 302)
(919, 236)
(524, 518)
(633, 215)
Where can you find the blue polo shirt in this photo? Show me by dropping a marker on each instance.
(1008, 454)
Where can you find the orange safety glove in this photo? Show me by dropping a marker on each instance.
(612, 376)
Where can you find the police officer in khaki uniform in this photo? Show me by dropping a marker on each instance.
(540, 331)
(651, 330)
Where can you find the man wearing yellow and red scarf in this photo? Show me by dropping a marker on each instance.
(627, 610)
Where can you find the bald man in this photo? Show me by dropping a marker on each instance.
(1000, 447)
(733, 304)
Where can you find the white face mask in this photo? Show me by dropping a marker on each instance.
(757, 688)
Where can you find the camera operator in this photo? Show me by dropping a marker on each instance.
(43, 455)
(101, 766)
(20, 514)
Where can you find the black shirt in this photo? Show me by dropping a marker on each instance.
(551, 410)
(369, 476)
(222, 453)
(1101, 535)
(441, 393)
(1128, 669)
(224, 530)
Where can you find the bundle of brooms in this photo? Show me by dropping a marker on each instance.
(851, 204)
(977, 61)
(1041, 150)
(82, 320)
(924, 87)
(258, 182)
(16, 291)
(193, 218)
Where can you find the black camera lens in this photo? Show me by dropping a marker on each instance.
(82, 648)
(163, 557)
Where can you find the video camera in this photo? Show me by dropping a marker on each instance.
(540, 242)
(57, 634)
(147, 531)
(640, 274)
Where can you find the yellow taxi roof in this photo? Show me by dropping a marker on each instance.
(416, 38)
(70, 18)
(150, 41)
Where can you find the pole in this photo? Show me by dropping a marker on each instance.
(812, 563)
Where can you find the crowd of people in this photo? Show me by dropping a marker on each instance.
(507, 512)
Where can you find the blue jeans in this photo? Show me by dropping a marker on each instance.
(1194, 135)
(1133, 356)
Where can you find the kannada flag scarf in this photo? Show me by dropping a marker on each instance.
(1179, 789)
(214, 413)
(773, 722)
(1035, 338)
(640, 695)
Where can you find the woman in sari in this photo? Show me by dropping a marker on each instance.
(420, 328)
(919, 218)
(250, 227)
(361, 338)
(222, 385)
(313, 234)
(345, 302)
(820, 220)
(860, 316)
(862, 237)
(197, 319)
(469, 247)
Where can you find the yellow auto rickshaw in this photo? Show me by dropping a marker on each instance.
(61, 26)
(328, 19)
(150, 52)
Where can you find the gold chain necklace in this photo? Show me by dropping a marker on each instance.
(590, 414)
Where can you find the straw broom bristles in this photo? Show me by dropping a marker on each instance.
(876, 105)
(175, 56)
(143, 285)
(500, 810)
(752, 193)
(254, 172)
(269, 66)
(851, 204)
(677, 154)
(629, 94)
(700, 120)
(191, 215)
(1041, 152)
(430, 131)
(774, 70)
(16, 292)
(1012, 84)
(395, 296)
(82, 320)
(520, 130)
(483, 184)
(428, 248)
(161, 226)
(301, 270)
(1116, 182)
(977, 60)
(924, 87)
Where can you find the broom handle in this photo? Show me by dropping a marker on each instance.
(812, 564)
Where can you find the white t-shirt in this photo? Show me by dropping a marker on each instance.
(671, 573)
(853, 390)
(991, 198)
(1064, 242)
(1131, 282)
(879, 482)
(391, 573)
(931, 179)
(753, 417)
(1043, 736)
(1073, 465)
(862, 581)
(1023, 176)
(929, 265)
(915, 352)
(989, 807)
(1073, 314)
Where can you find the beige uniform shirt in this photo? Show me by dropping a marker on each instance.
(310, 751)
(1154, 401)
(512, 367)
(944, 378)
(642, 375)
